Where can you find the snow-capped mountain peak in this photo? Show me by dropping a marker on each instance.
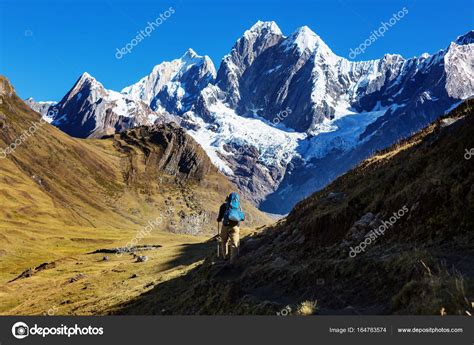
(306, 40)
(259, 37)
(173, 86)
(87, 78)
(190, 53)
(264, 28)
(87, 85)
(90, 110)
(192, 58)
(86, 75)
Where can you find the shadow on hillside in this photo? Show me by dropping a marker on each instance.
(190, 253)
(153, 302)
(160, 299)
(211, 289)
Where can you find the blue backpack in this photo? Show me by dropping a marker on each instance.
(233, 211)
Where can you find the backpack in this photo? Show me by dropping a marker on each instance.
(233, 211)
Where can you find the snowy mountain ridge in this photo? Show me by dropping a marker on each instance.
(173, 86)
(283, 115)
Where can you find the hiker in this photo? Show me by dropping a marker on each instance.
(230, 213)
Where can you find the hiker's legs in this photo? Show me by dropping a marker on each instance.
(224, 239)
(234, 243)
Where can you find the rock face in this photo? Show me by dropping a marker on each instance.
(249, 47)
(168, 148)
(283, 116)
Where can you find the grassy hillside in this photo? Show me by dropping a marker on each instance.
(421, 263)
(62, 197)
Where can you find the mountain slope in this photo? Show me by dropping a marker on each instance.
(420, 264)
(57, 189)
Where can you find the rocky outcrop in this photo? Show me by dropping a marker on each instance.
(246, 50)
(167, 148)
(6, 89)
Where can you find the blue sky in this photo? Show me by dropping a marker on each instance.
(46, 45)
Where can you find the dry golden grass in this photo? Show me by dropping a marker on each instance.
(105, 284)
(307, 308)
